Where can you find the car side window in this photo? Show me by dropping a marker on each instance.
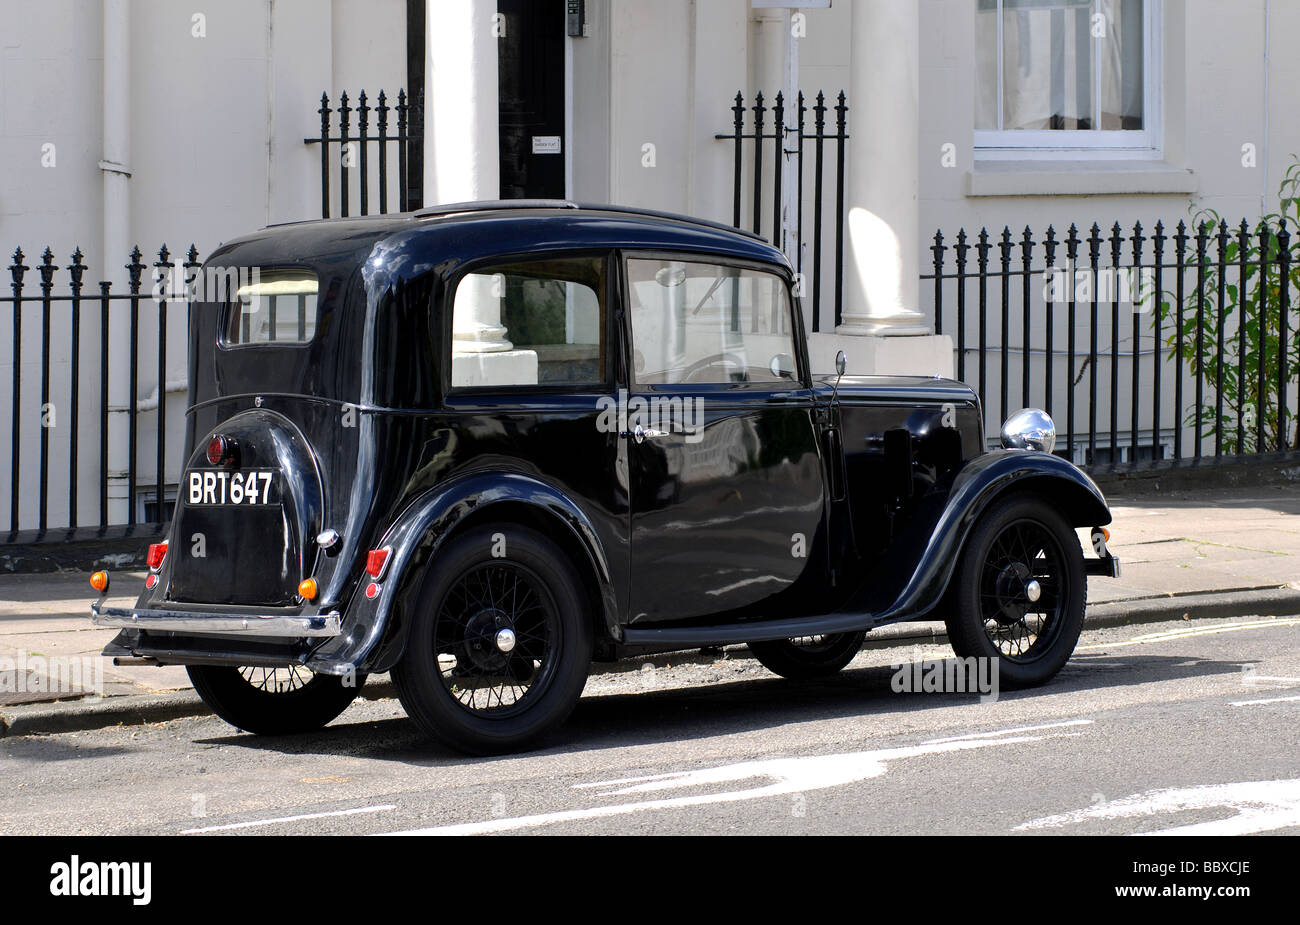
(708, 323)
(537, 322)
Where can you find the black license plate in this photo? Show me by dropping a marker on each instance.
(219, 488)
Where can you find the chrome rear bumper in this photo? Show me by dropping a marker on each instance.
(239, 624)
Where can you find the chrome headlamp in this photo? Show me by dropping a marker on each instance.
(1029, 429)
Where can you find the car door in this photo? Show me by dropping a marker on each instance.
(725, 478)
(528, 367)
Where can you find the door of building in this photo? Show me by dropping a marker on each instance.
(530, 58)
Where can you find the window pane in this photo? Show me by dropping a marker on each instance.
(1065, 65)
(534, 323)
(986, 65)
(706, 323)
(278, 306)
(1121, 65)
(1047, 65)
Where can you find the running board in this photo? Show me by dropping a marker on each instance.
(764, 630)
(756, 631)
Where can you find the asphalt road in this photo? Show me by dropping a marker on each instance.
(1183, 727)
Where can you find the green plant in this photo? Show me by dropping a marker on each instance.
(1251, 419)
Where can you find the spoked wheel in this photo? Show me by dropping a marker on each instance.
(495, 637)
(1019, 592)
(277, 680)
(808, 656)
(273, 701)
(499, 647)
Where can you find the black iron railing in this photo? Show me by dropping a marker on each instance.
(55, 424)
(1207, 311)
(360, 153)
(787, 141)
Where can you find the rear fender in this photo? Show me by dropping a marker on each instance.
(376, 629)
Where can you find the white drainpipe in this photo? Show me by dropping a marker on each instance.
(116, 171)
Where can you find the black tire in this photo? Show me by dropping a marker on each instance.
(1019, 540)
(273, 701)
(455, 662)
(808, 656)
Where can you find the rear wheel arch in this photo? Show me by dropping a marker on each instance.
(506, 513)
(554, 527)
(462, 652)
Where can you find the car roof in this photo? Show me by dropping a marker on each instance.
(467, 230)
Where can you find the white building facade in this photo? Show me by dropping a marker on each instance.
(127, 122)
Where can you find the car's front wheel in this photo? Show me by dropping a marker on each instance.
(1019, 592)
(273, 701)
(499, 644)
(808, 656)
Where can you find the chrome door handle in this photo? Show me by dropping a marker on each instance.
(640, 433)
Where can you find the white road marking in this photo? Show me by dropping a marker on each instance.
(1261, 806)
(1184, 634)
(785, 775)
(1251, 703)
(1003, 732)
(277, 821)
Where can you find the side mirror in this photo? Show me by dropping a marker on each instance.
(841, 364)
(782, 366)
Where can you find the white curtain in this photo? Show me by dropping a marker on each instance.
(1050, 62)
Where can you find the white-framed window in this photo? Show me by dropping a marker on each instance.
(1067, 78)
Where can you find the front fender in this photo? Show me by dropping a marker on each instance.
(375, 630)
(928, 549)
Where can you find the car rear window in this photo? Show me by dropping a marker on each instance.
(275, 307)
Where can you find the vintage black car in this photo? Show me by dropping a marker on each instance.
(482, 445)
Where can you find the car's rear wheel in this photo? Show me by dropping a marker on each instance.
(273, 701)
(499, 645)
(808, 656)
(1019, 592)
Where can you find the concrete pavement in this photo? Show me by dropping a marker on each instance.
(1202, 554)
(1165, 727)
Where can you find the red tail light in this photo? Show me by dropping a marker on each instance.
(221, 451)
(377, 561)
(157, 552)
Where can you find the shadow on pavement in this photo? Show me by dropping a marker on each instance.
(656, 717)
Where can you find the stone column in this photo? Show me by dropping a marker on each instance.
(461, 159)
(882, 212)
(462, 164)
(775, 64)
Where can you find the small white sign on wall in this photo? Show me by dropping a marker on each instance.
(546, 144)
